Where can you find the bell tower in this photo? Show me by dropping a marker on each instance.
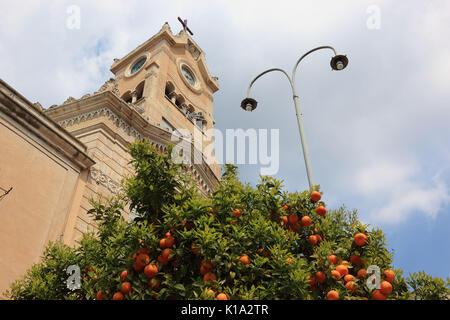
(160, 87)
(166, 80)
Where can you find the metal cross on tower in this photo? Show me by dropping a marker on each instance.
(185, 27)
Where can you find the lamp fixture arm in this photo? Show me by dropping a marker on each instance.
(303, 56)
(267, 71)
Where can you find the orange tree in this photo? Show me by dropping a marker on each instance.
(239, 243)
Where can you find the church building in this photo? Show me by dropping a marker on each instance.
(52, 161)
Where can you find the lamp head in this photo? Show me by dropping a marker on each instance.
(249, 104)
(339, 62)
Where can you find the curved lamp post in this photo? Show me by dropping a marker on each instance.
(338, 62)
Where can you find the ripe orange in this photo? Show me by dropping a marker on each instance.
(244, 259)
(356, 260)
(209, 277)
(351, 286)
(348, 277)
(362, 273)
(222, 296)
(124, 275)
(162, 260)
(207, 265)
(210, 293)
(319, 238)
(162, 243)
(293, 218)
(389, 275)
(321, 211)
(284, 220)
(377, 295)
(306, 221)
(289, 260)
(333, 295)
(336, 274)
(142, 259)
(333, 259)
(146, 251)
(154, 283)
(343, 270)
(170, 241)
(315, 196)
(321, 277)
(313, 240)
(312, 280)
(151, 270)
(118, 296)
(385, 287)
(237, 213)
(126, 287)
(360, 239)
(166, 254)
(203, 270)
(99, 295)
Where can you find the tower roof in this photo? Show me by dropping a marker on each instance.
(182, 39)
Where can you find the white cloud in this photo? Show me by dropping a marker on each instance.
(395, 187)
(383, 175)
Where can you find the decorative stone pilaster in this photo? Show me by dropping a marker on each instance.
(151, 84)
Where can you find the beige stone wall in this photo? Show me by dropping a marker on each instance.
(36, 210)
(104, 177)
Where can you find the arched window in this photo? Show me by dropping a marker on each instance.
(179, 101)
(169, 89)
(127, 97)
(139, 90)
(190, 108)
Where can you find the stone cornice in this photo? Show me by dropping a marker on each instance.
(132, 124)
(29, 116)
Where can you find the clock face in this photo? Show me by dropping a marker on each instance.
(188, 75)
(138, 65)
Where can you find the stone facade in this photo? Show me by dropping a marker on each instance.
(56, 159)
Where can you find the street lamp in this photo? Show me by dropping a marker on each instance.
(338, 62)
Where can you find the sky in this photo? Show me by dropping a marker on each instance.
(377, 132)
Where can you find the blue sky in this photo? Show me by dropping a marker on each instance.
(377, 132)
